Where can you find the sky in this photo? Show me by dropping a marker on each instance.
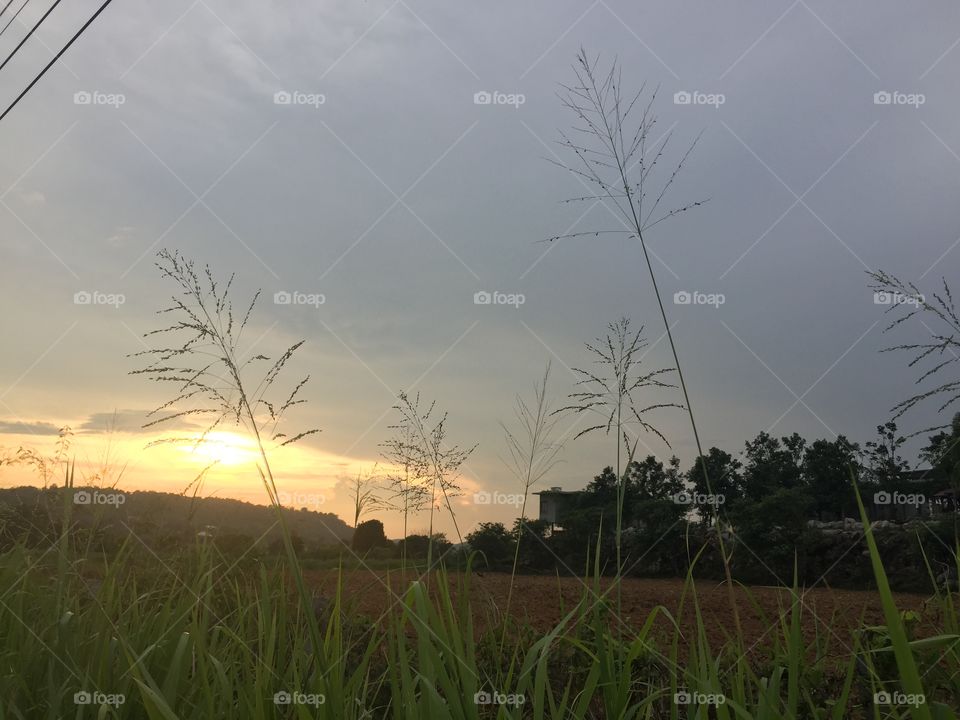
(341, 154)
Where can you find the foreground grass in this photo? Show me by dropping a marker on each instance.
(195, 635)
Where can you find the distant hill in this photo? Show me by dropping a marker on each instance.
(149, 513)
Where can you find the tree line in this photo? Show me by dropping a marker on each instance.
(762, 500)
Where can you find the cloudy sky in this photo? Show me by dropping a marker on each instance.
(386, 188)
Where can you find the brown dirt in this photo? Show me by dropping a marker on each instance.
(542, 602)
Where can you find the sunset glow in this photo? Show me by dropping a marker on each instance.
(224, 448)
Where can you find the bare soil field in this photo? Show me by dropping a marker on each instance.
(542, 601)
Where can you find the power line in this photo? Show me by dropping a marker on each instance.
(27, 37)
(9, 3)
(55, 57)
(15, 15)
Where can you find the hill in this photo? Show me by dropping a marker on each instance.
(151, 514)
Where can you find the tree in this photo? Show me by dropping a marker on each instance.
(653, 513)
(884, 464)
(296, 542)
(943, 449)
(672, 478)
(796, 446)
(943, 455)
(602, 490)
(368, 535)
(644, 480)
(723, 470)
(576, 528)
(828, 470)
(534, 551)
(493, 540)
(418, 546)
(592, 516)
(772, 527)
(237, 545)
(772, 465)
(648, 479)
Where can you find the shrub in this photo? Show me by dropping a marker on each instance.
(368, 535)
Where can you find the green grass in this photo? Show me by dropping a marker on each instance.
(193, 635)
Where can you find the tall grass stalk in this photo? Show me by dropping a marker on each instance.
(532, 448)
(207, 367)
(616, 169)
(610, 392)
(408, 475)
(442, 461)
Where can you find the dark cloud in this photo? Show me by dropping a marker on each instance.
(27, 428)
(121, 421)
(128, 421)
(398, 198)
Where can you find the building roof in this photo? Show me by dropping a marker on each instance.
(922, 474)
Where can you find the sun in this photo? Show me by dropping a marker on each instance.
(224, 448)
